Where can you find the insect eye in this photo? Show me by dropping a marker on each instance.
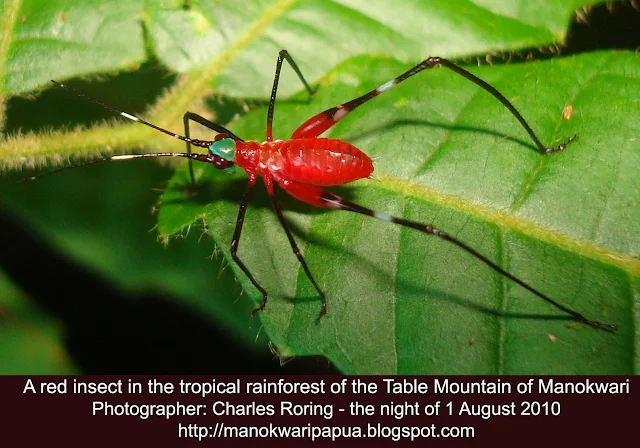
(225, 148)
(224, 164)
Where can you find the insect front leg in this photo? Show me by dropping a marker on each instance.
(190, 116)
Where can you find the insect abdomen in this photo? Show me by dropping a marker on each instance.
(317, 161)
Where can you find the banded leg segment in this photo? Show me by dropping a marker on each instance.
(283, 55)
(319, 123)
(190, 116)
(322, 198)
(294, 246)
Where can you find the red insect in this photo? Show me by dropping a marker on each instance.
(305, 163)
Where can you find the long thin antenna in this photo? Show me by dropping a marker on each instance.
(195, 142)
(193, 156)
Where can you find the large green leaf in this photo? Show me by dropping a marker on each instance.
(228, 44)
(58, 38)
(102, 217)
(454, 157)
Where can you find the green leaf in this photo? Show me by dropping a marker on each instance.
(61, 38)
(336, 30)
(452, 156)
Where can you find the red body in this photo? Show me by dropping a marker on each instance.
(322, 162)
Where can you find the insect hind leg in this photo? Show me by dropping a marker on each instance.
(326, 119)
(323, 198)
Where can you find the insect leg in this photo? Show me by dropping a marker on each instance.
(235, 241)
(323, 198)
(284, 54)
(294, 246)
(208, 124)
(319, 123)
